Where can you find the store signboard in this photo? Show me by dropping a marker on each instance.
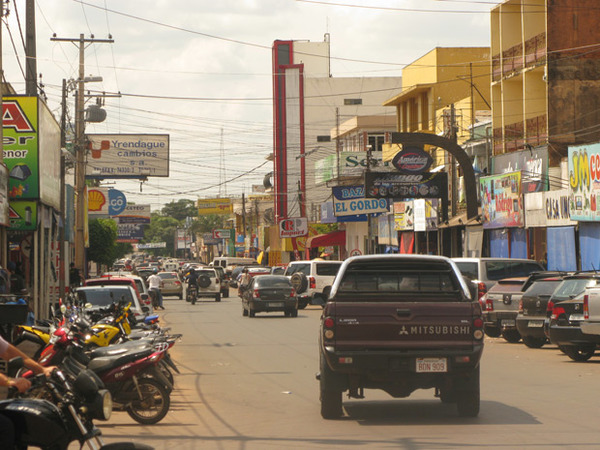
(350, 200)
(214, 206)
(135, 214)
(23, 215)
(398, 185)
(584, 182)
(501, 200)
(533, 165)
(127, 155)
(548, 209)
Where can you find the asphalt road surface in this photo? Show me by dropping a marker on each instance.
(249, 383)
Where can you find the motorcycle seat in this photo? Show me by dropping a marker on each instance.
(104, 363)
(119, 349)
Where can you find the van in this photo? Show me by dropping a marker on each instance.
(491, 270)
(227, 262)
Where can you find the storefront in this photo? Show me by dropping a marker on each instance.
(32, 141)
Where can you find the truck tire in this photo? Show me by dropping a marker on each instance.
(533, 342)
(493, 332)
(330, 396)
(580, 353)
(204, 281)
(467, 395)
(512, 336)
(300, 282)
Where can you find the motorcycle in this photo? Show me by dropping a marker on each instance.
(191, 294)
(67, 416)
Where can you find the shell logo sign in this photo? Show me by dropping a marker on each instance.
(96, 201)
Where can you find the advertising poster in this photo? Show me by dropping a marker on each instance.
(501, 200)
(135, 214)
(584, 182)
(403, 216)
(23, 215)
(214, 206)
(398, 185)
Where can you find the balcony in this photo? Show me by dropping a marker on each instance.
(535, 50)
(536, 130)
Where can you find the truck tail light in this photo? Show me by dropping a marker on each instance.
(312, 282)
(328, 326)
(481, 290)
(478, 328)
(557, 311)
(256, 293)
(549, 308)
(521, 306)
(586, 307)
(293, 293)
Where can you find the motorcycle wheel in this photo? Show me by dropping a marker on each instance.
(154, 404)
(194, 299)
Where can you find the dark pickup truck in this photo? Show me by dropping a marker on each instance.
(400, 323)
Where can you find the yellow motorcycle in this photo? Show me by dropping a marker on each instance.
(110, 329)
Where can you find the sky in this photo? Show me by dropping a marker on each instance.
(200, 70)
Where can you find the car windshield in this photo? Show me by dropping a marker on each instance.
(571, 288)
(103, 297)
(209, 273)
(272, 282)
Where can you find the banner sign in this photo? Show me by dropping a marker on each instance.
(584, 182)
(135, 214)
(547, 209)
(412, 160)
(293, 227)
(222, 234)
(352, 164)
(151, 245)
(533, 165)
(215, 206)
(350, 200)
(127, 155)
(398, 185)
(501, 202)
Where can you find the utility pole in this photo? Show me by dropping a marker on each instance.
(61, 230)
(80, 149)
(453, 174)
(244, 218)
(30, 50)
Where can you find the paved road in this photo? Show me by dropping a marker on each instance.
(248, 383)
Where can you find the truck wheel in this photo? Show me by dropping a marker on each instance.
(447, 395)
(331, 398)
(512, 336)
(300, 282)
(579, 353)
(533, 342)
(467, 397)
(493, 332)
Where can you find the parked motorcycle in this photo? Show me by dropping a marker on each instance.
(68, 415)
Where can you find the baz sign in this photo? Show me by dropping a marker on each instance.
(350, 200)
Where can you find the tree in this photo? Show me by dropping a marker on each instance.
(103, 240)
(162, 229)
(206, 223)
(180, 209)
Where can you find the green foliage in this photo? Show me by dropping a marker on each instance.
(103, 241)
(180, 209)
(206, 223)
(162, 229)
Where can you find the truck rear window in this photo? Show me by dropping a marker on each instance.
(399, 278)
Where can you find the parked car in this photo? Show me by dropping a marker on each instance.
(311, 278)
(171, 284)
(500, 307)
(102, 296)
(570, 288)
(532, 310)
(270, 293)
(137, 283)
(491, 270)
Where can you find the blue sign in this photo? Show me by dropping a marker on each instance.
(116, 202)
(350, 200)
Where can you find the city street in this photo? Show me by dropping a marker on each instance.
(249, 383)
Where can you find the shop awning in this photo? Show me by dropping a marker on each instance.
(327, 240)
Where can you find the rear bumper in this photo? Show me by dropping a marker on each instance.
(360, 362)
(500, 319)
(571, 335)
(588, 327)
(526, 326)
(273, 305)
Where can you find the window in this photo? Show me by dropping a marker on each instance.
(327, 269)
(295, 268)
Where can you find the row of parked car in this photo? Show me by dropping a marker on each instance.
(562, 308)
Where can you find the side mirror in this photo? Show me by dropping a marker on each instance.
(144, 296)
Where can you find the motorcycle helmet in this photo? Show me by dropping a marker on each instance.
(155, 270)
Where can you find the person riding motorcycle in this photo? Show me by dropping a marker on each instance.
(154, 284)
(191, 277)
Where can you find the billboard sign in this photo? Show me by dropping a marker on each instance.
(23, 215)
(127, 155)
(135, 214)
(214, 206)
(501, 202)
(412, 160)
(129, 232)
(105, 202)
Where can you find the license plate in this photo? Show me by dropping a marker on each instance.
(507, 323)
(535, 324)
(276, 304)
(576, 317)
(426, 365)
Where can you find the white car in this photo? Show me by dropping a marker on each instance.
(209, 284)
(310, 278)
